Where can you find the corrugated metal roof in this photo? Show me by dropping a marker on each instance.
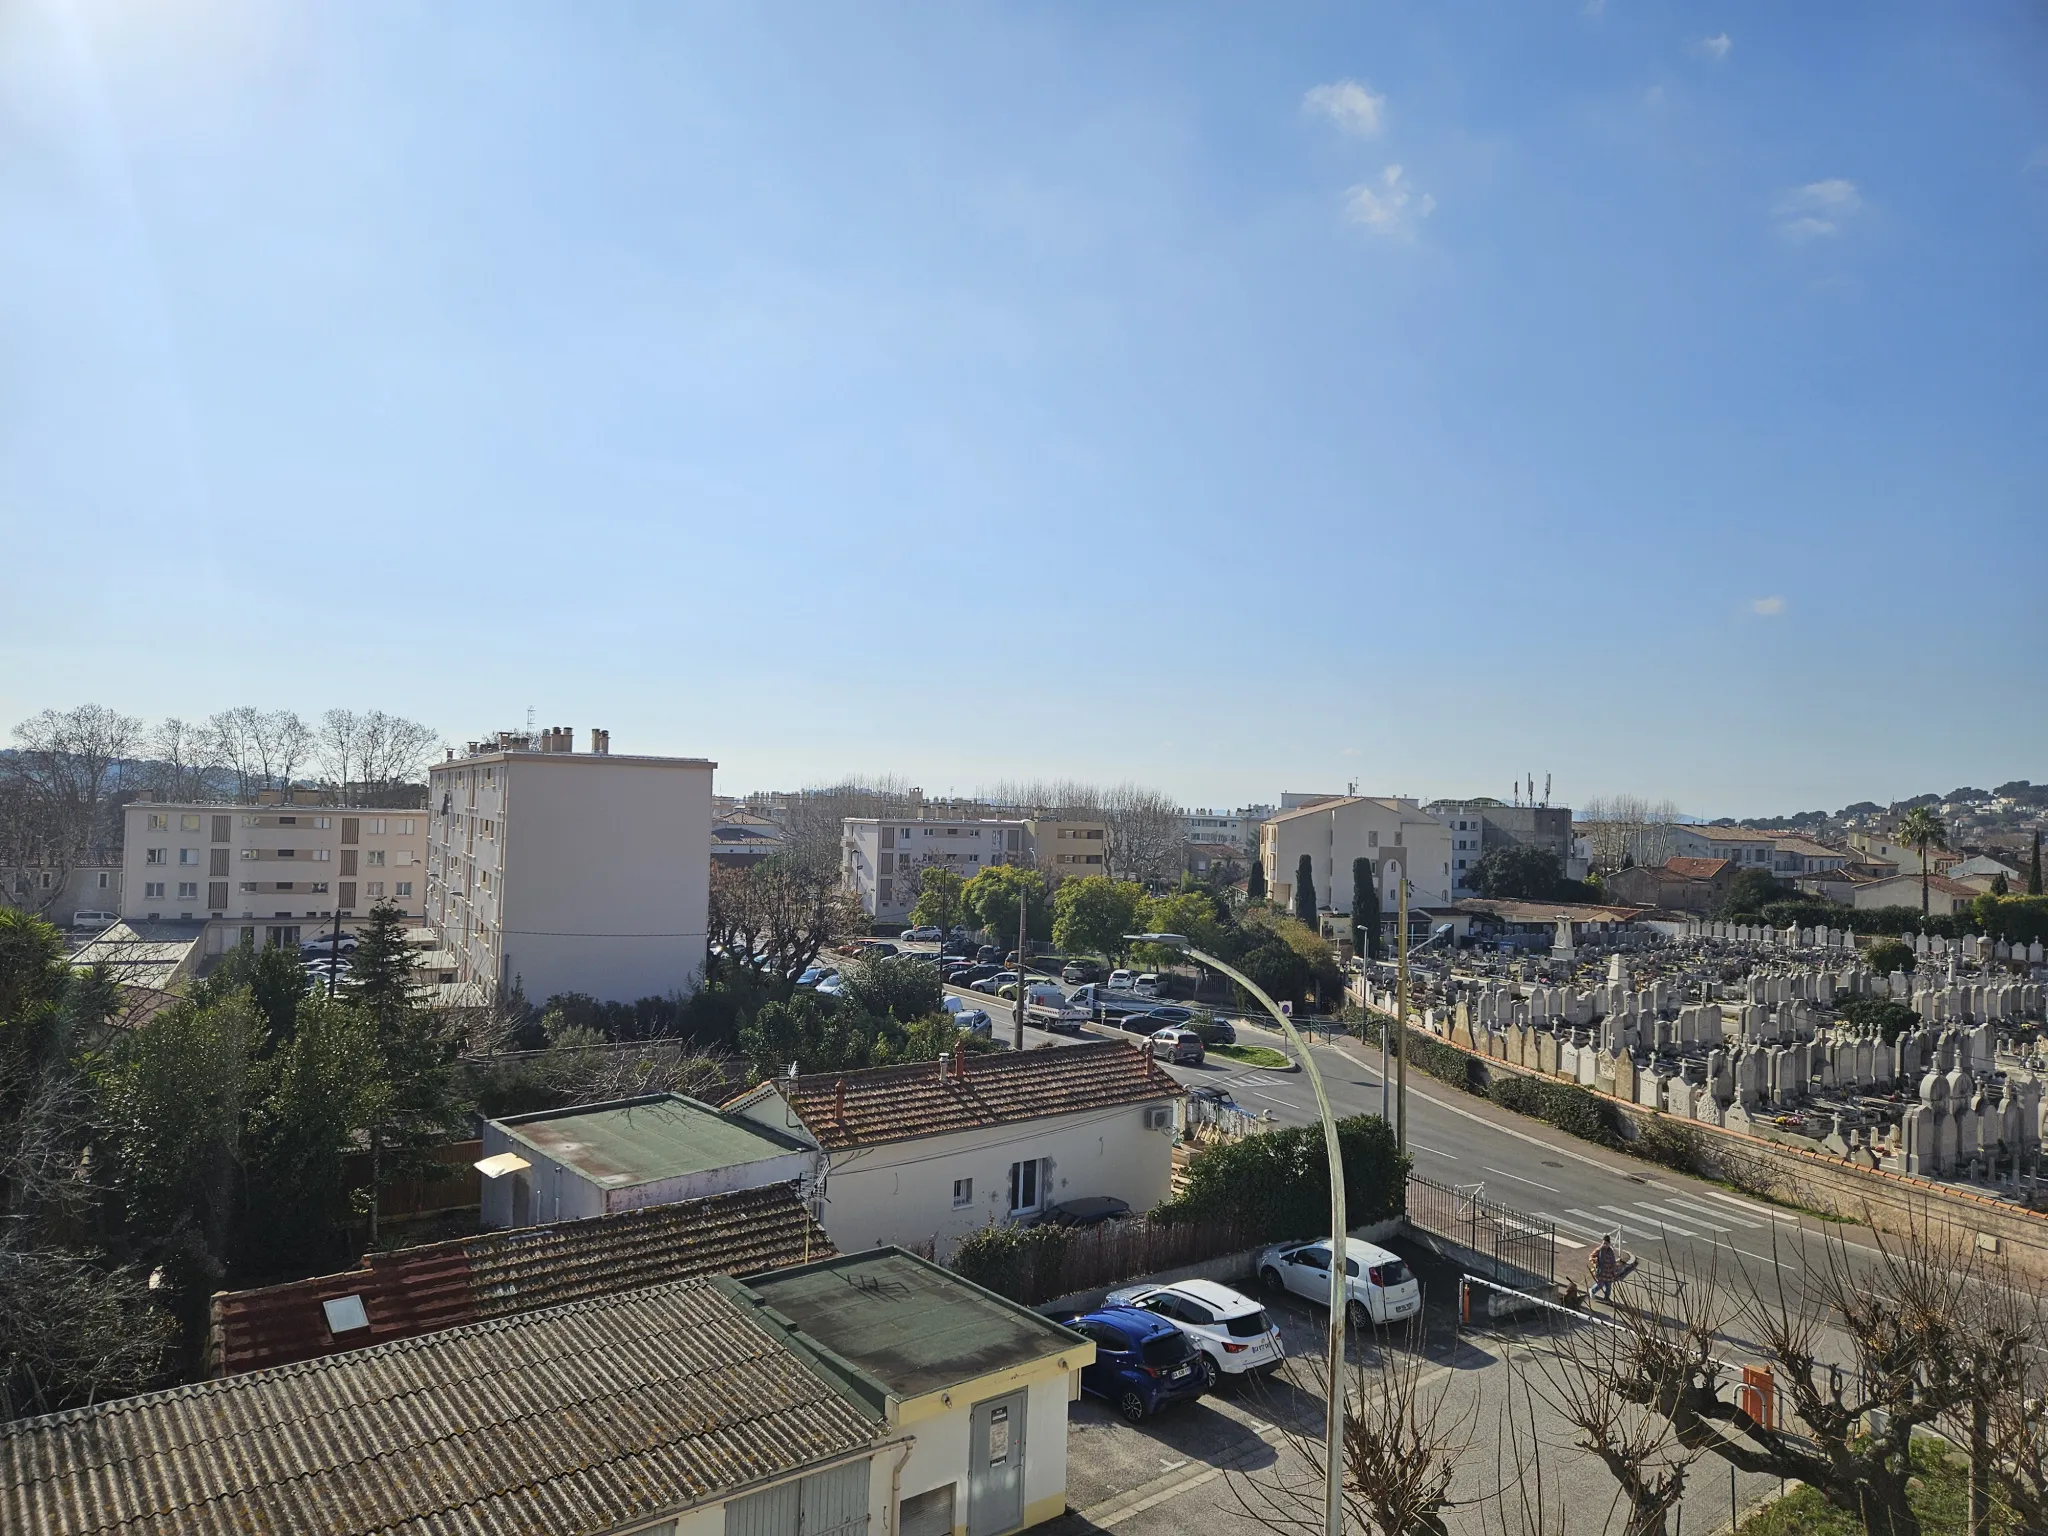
(641, 1140)
(896, 1103)
(414, 1291)
(568, 1422)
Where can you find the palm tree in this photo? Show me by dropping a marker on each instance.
(1922, 828)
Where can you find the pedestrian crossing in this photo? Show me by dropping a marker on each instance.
(1670, 1215)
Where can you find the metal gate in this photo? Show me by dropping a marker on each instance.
(833, 1503)
(1517, 1248)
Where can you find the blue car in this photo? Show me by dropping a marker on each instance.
(1142, 1362)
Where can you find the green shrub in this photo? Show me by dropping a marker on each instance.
(1565, 1105)
(1276, 1184)
(1013, 1261)
(1447, 1063)
(1676, 1144)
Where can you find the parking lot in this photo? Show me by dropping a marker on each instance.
(1194, 1468)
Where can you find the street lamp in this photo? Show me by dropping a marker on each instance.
(1333, 1428)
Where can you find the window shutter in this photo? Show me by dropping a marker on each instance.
(220, 828)
(351, 829)
(348, 894)
(217, 894)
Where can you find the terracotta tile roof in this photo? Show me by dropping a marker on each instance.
(414, 1291)
(1696, 869)
(592, 1417)
(898, 1103)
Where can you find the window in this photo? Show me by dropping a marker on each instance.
(321, 855)
(318, 887)
(376, 826)
(284, 885)
(405, 827)
(188, 823)
(963, 1192)
(153, 890)
(401, 888)
(376, 889)
(246, 886)
(103, 880)
(188, 890)
(1024, 1187)
(287, 821)
(287, 853)
(158, 822)
(323, 822)
(188, 855)
(374, 858)
(248, 853)
(156, 856)
(252, 821)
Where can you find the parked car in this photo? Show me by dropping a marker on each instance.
(993, 985)
(922, 935)
(1143, 1363)
(962, 948)
(1148, 984)
(1075, 972)
(328, 944)
(971, 975)
(975, 1021)
(1379, 1285)
(872, 949)
(1089, 1211)
(988, 954)
(832, 986)
(1183, 1047)
(1214, 1031)
(1121, 980)
(1170, 1013)
(94, 920)
(1233, 1332)
(814, 975)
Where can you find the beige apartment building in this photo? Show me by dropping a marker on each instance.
(272, 872)
(1395, 834)
(1065, 849)
(563, 871)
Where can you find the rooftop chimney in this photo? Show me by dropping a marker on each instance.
(960, 1059)
(839, 1099)
(600, 741)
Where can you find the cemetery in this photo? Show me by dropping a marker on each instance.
(1760, 1031)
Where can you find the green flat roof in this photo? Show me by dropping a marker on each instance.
(911, 1325)
(637, 1141)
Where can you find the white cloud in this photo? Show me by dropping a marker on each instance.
(1769, 607)
(1385, 208)
(1349, 105)
(1816, 209)
(1715, 47)
(1593, 10)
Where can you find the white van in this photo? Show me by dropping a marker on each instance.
(95, 921)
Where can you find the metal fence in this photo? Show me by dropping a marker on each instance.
(1517, 1248)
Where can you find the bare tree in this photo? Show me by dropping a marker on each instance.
(336, 747)
(1627, 829)
(60, 784)
(816, 817)
(774, 916)
(1402, 1445)
(391, 749)
(234, 747)
(280, 742)
(1144, 825)
(184, 755)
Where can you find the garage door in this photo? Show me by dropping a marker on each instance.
(833, 1503)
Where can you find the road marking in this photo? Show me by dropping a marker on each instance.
(1432, 1151)
(1712, 1210)
(1519, 1179)
(1751, 1207)
(1657, 1220)
(1785, 1263)
(1267, 1097)
(1569, 1228)
(1665, 1210)
(1598, 1224)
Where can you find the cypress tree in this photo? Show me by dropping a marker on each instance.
(1365, 911)
(1305, 890)
(1255, 883)
(2034, 871)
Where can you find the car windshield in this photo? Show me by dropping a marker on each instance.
(1165, 1349)
(1247, 1325)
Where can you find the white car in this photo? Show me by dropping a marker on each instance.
(1120, 981)
(1232, 1332)
(1379, 1284)
(922, 935)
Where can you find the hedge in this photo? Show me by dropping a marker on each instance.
(1567, 1106)
(1276, 1184)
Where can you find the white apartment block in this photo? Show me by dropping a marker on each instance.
(565, 871)
(1397, 835)
(271, 872)
(883, 858)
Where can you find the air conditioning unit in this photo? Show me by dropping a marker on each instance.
(1159, 1117)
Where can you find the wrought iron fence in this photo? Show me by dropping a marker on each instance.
(1519, 1248)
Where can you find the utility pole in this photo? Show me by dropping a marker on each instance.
(1023, 911)
(1401, 1024)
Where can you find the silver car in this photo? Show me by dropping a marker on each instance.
(1380, 1287)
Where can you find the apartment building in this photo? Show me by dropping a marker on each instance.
(1238, 828)
(565, 871)
(1395, 834)
(883, 858)
(1062, 849)
(1479, 826)
(270, 872)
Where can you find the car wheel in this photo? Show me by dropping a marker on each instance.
(1357, 1315)
(1212, 1373)
(1269, 1277)
(1132, 1406)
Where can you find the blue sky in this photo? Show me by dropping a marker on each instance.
(1228, 399)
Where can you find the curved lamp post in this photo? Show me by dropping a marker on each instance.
(1333, 1428)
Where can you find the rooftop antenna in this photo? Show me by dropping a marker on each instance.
(1546, 789)
(529, 719)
